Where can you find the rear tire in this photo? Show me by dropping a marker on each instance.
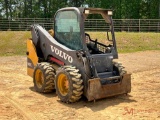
(119, 69)
(68, 83)
(43, 77)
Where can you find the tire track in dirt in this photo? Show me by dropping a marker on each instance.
(23, 110)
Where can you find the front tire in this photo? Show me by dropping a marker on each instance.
(68, 83)
(43, 77)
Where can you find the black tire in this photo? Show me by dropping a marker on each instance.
(119, 69)
(43, 77)
(68, 83)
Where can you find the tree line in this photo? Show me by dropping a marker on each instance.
(123, 9)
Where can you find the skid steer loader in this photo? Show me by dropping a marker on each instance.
(71, 62)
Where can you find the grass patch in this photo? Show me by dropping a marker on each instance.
(14, 42)
(132, 42)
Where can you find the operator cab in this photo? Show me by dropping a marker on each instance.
(69, 26)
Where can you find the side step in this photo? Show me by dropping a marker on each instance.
(112, 78)
(108, 78)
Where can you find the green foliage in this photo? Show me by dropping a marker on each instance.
(123, 9)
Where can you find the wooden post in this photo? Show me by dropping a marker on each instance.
(139, 25)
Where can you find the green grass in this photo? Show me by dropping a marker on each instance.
(14, 42)
(132, 42)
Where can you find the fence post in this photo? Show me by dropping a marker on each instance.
(139, 25)
(9, 24)
(158, 26)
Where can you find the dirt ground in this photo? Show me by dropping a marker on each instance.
(19, 101)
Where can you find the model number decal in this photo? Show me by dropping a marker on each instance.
(61, 54)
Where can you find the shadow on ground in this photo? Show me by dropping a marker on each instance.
(100, 104)
(93, 105)
(49, 95)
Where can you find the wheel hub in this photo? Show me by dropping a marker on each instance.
(39, 78)
(63, 84)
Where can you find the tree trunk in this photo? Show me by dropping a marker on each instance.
(159, 8)
(10, 9)
(25, 8)
(6, 7)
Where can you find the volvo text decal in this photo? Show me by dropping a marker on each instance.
(61, 54)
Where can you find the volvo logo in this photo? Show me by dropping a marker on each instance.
(61, 54)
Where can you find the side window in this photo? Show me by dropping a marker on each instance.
(67, 29)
